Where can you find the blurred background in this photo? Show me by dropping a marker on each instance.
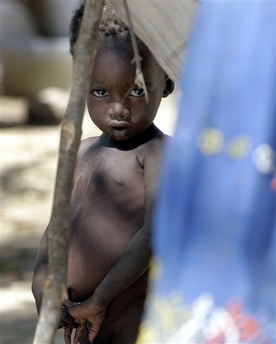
(35, 78)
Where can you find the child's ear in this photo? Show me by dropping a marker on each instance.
(169, 87)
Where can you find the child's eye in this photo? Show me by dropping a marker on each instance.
(137, 92)
(100, 93)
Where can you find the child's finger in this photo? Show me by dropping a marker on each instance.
(78, 334)
(93, 331)
(67, 335)
(67, 318)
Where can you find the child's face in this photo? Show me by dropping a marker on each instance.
(115, 104)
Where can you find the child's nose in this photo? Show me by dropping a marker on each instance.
(118, 111)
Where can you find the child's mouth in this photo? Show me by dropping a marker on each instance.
(120, 128)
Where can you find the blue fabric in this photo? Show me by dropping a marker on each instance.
(215, 220)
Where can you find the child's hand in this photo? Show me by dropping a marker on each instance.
(66, 320)
(89, 312)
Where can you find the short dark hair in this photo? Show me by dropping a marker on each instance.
(110, 27)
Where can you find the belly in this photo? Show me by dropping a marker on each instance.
(97, 242)
(104, 220)
(90, 261)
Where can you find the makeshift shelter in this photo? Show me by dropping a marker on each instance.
(164, 27)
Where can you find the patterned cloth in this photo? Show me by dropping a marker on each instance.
(215, 222)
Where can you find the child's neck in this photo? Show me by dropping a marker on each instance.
(132, 143)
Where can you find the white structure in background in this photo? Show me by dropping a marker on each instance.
(34, 54)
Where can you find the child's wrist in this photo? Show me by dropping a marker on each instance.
(100, 299)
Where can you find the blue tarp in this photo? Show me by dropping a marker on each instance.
(215, 222)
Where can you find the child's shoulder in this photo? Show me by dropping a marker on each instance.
(156, 138)
(153, 147)
(86, 144)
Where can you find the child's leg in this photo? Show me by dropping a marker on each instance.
(103, 337)
(127, 327)
(127, 334)
(123, 331)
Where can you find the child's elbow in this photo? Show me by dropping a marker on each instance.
(37, 290)
(38, 285)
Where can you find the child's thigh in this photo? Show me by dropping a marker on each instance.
(123, 330)
(126, 329)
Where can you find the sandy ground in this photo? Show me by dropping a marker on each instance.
(28, 166)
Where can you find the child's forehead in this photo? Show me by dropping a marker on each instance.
(115, 50)
(116, 65)
(124, 52)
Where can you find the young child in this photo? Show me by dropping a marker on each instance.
(114, 189)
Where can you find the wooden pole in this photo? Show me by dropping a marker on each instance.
(54, 292)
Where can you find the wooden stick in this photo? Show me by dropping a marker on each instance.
(54, 292)
(139, 77)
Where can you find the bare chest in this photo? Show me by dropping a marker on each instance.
(110, 185)
(113, 171)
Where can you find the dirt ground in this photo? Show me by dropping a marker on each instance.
(28, 166)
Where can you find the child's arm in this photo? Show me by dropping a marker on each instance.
(40, 271)
(41, 263)
(40, 274)
(131, 265)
